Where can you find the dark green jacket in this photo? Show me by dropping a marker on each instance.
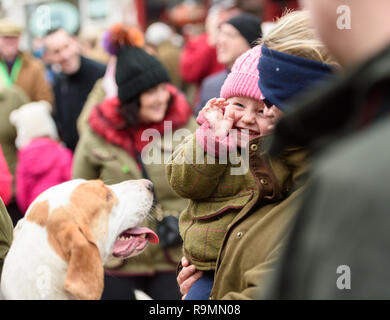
(10, 99)
(339, 246)
(216, 196)
(239, 221)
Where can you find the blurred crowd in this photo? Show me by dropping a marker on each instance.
(65, 69)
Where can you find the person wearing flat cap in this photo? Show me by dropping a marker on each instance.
(21, 68)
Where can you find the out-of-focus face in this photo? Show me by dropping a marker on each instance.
(63, 50)
(252, 117)
(154, 104)
(324, 19)
(9, 47)
(323, 15)
(230, 44)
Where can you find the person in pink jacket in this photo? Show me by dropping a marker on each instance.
(5, 180)
(42, 161)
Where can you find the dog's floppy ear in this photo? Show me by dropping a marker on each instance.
(85, 275)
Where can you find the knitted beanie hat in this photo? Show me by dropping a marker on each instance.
(157, 33)
(284, 76)
(243, 79)
(248, 25)
(136, 70)
(33, 120)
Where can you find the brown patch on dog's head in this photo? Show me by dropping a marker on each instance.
(95, 201)
(73, 231)
(39, 213)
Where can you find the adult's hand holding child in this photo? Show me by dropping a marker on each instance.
(187, 277)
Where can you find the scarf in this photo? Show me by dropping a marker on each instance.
(106, 121)
(282, 75)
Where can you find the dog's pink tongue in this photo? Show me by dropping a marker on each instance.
(151, 236)
(131, 241)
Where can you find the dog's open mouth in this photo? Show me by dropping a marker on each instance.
(132, 241)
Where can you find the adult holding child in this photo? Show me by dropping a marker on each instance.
(111, 146)
(234, 37)
(340, 239)
(257, 228)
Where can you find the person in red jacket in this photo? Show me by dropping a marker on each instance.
(198, 58)
(5, 180)
(275, 8)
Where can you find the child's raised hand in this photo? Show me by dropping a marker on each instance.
(227, 122)
(213, 112)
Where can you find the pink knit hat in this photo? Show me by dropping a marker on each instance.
(243, 79)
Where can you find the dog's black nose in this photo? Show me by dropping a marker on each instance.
(150, 187)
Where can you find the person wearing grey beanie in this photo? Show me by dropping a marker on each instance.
(236, 35)
(248, 25)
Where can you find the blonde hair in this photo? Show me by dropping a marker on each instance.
(293, 34)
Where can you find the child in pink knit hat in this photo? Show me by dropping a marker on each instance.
(240, 108)
(216, 194)
(213, 226)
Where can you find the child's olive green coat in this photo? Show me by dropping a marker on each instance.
(217, 196)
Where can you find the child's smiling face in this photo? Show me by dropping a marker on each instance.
(252, 115)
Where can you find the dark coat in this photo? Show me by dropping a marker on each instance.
(342, 227)
(71, 92)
